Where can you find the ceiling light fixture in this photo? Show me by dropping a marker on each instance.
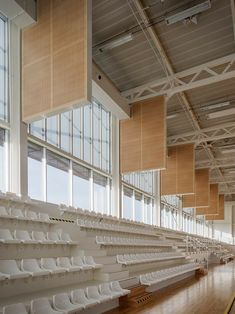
(215, 106)
(171, 116)
(188, 13)
(221, 113)
(116, 43)
(228, 151)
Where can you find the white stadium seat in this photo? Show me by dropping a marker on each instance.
(44, 217)
(3, 212)
(40, 237)
(78, 297)
(23, 236)
(89, 260)
(54, 236)
(50, 264)
(18, 308)
(104, 289)
(115, 286)
(7, 237)
(17, 213)
(66, 238)
(93, 293)
(31, 215)
(42, 306)
(32, 266)
(61, 302)
(77, 261)
(65, 262)
(11, 269)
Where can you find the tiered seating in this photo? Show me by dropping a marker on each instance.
(70, 302)
(130, 259)
(99, 225)
(120, 241)
(35, 237)
(24, 214)
(12, 269)
(153, 278)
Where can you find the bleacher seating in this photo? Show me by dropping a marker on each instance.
(90, 251)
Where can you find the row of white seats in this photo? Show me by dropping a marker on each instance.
(99, 225)
(11, 269)
(130, 259)
(35, 237)
(164, 274)
(105, 240)
(72, 302)
(95, 215)
(24, 214)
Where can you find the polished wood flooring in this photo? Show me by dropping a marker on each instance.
(209, 294)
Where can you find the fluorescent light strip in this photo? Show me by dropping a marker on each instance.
(228, 151)
(221, 113)
(188, 12)
(116, 42)
(215, 106)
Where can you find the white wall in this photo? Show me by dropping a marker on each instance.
(224, 228)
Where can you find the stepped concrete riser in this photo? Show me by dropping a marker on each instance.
(105, 259)
(111, 268)
(111, 276)
(153, 266)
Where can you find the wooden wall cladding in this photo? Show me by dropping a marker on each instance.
(201, 198)
(179, 176)
(143, 137)
(56, 58)
(220, 216)
(213, 208)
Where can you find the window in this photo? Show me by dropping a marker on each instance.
(3, 160)
(100, 195)
(81, 187)
(57, 179)
(3, 70)
(35, 172)
(52, 130)
(148, 209)
(138, 210)
(83, 132)
(141, 180)
(66, 136)
(127, 203)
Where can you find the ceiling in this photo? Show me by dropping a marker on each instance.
(160, 52)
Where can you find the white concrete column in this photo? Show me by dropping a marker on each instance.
(157, 200)
(116, 180)
(180, 216)
(18, 134)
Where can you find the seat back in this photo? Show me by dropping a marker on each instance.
(38, 235)
(9, 267)
(41, 306)
(30, 265)
(22, 235)
(18, 308)
(5, 234)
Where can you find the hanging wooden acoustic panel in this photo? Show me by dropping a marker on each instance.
(213, 208)
(143, 137)
(179, 176)
(220, 216)
(56, 58)
(201, 197)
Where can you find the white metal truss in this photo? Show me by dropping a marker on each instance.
(214, 133)
(207, 73)
(218, 163)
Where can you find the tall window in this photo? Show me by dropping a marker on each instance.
(3, 159)
(35, 172)
(127, 203)
(81, 187)
(100, 194)
(57, 179)
(83, 132)
(141, 180)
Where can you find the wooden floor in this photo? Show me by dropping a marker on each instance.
(204, 295)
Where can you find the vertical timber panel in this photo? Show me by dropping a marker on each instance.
(168, 176)
(213, 208)
(220, 216)
(56, 59)
(201, 197)
(143, 137)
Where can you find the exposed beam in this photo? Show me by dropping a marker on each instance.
(142, 18)
(216, 164)
(215, 133)
(205, 74)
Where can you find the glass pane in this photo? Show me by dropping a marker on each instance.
(3, 160)
(35, 171)
(37, 128)
(3, 71)
(77, 133)
(99, 190)
(57, 179)
(138, 207)
(87, 133)
(96, 135)
(65, 129)
(106, 141)
(81, 187)
(148, 210)
(52, 130)
(127, 203)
